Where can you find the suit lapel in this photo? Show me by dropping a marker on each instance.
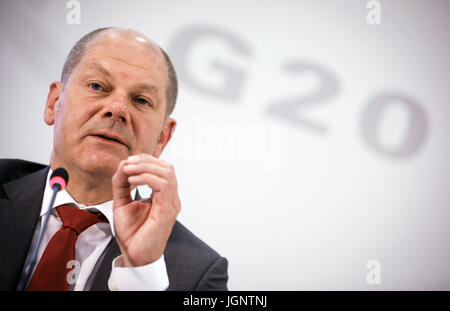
(102, 269)
(19, 214)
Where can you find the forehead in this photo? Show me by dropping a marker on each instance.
(129, 55)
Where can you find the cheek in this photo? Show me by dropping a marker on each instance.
(69, 120)
(146, 137)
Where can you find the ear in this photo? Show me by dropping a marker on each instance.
(164, 137)
(51, 106)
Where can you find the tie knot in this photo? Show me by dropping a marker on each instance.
(77, 219)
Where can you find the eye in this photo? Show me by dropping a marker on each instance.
(143, 101)
(95, 86)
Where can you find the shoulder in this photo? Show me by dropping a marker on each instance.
(181, 235)
(189, 258)
(11, 169)
(185, 242)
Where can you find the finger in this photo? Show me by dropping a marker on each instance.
(144, 157)
(164, 209)
(121, 187)
(145, 167)
(153, 181)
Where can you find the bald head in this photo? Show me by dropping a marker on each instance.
(131, 37)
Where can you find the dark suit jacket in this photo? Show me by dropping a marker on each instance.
(191, 264)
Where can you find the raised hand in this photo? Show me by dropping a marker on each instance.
(143, 227)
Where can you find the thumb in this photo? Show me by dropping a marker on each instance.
(121, 186)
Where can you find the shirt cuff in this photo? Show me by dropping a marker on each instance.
(151, 277)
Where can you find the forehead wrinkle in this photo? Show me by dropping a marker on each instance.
(130, 64)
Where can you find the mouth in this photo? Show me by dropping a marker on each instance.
(108, 139)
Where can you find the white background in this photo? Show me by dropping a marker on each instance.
(291, 205)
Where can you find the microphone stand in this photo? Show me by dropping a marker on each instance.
(32, 262)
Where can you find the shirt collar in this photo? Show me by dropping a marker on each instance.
(63, 197)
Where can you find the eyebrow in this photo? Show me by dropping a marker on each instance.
(139, 86)
(145, 86)
(100, 68)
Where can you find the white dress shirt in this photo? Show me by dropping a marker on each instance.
(90, 245)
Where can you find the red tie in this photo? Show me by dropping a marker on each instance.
(51, 272)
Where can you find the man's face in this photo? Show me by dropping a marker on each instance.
(112, 106)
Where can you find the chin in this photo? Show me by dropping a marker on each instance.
(104, 164)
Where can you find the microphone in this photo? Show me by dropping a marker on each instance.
(58, 181)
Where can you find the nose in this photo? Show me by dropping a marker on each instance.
(117, 109)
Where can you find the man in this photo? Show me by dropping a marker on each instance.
(111, 121)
